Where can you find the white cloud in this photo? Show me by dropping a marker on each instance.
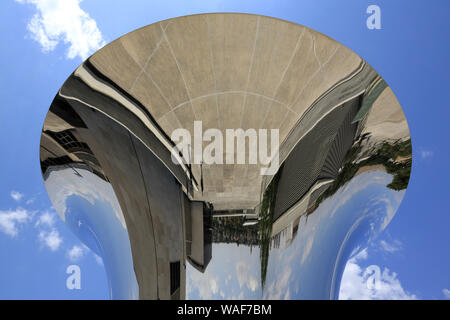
(16, 195)
(362, 255)
(10, 219)
(48, 236)
(426, 154)
(76, 253)
(392, 247)
(64, 20)
(446, 293)
(51, 239)
(370, 283)
(46, 219)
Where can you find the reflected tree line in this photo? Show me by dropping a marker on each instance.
(394, 157)
(232, 230)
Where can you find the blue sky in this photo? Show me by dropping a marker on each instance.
(38, 53)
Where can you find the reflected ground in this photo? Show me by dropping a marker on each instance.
(176, 230)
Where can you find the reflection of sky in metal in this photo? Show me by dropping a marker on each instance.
(232, 273)
(92, 212)
(345, 221)
(91, 187)
(337, 229)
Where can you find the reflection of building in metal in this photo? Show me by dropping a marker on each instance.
(156, 209)
(250, 222)
(199, 239)
(114, 115)
(354, 145)
(235, 229)
(322, 150)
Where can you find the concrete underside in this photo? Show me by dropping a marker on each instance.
(229, 71)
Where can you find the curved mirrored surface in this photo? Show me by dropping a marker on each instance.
(223, 156)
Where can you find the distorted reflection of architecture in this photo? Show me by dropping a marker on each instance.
(164, 227)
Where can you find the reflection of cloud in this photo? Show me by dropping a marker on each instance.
(287, 296)
(391, 208)
(16, 195)
(244, 277)
(234, 271)
(62, 183)
(227, 279)
(307, 248)
(98, 259)
(370, 283)
(278, 289)
(205, 283)
(239, 297)
(51, 239)
(65, 21)
(353, 216)
(358, 184)
(446, 293)
(10, 219)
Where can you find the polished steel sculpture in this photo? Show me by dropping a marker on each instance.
(168, 227)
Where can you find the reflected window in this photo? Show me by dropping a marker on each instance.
(174, 276)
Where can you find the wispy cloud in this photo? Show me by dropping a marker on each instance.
(279, 289)
(64, 21)
(10, 219)
(244, 277)
(50, 239)
(16, 195)
(426, 154)
(46, 219)
(76, 253)
(98, 259)
(206, 283)
(370, 283)
(391, 247)
(446, 293)
(227, 279)
(48, 235)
